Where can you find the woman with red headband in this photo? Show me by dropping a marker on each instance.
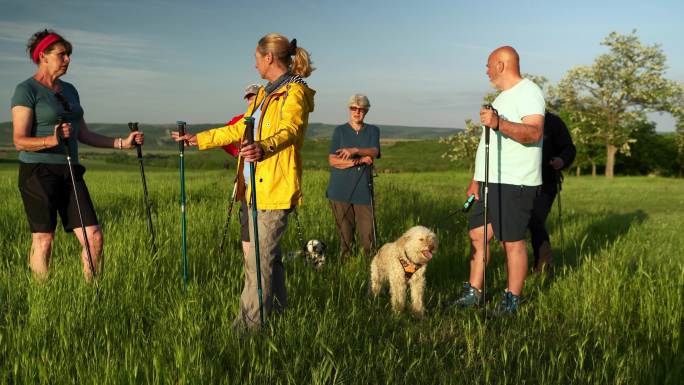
(46, 113)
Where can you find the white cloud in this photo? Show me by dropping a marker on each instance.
(93, 45)
(13, 58)
(17, 32)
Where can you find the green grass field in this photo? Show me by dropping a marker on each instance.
(612, 315)
(396, 157)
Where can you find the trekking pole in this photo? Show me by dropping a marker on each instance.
(181, 151)
(148, 206)
(560, 215)
(249, 135)
(67, 152)
(486, 209)
(371, 189)
(226, 225)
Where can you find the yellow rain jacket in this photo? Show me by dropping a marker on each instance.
(280, 132)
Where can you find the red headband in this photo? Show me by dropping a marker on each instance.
(46, 42)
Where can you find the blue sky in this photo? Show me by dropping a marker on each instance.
(420, 62)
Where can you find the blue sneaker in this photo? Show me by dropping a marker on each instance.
(470, 296)
(508, 305)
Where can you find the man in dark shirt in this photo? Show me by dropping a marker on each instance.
(558, 153)
(353, 148)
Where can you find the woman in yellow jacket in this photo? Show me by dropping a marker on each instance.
(281, 112)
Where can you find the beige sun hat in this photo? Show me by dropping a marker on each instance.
(251, 89)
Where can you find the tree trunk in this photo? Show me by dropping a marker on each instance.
(593, 169)
(611, 150)
(577, 172)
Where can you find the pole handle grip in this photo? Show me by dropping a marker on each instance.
(488, 129)
(489, 106)
(60, 121)
(181, 127)
(133, 126)
(249, 129)
(181, 132)
(64, 141)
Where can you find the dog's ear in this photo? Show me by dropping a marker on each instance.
(401, 242)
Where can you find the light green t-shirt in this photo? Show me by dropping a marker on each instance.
(511, 162)
(47, 108)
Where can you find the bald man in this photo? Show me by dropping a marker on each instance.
(515, 155)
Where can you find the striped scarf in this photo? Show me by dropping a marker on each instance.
(285, 78)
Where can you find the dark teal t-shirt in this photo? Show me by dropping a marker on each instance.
(350, 185)
(47, 108)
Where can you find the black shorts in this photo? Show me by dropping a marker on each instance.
(244, 222)
(509, 210)
(46, 190)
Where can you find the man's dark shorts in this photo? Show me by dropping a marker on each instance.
(509, 210)
(46, 190)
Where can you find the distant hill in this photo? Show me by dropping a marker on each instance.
(324, 131)
(157, 135)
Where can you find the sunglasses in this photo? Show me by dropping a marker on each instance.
(358, 109)
(65, 103)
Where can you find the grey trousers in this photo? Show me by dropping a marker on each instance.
(272, 224)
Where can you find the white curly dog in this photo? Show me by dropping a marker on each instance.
(403, 263)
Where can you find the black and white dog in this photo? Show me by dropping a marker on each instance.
(313, 253)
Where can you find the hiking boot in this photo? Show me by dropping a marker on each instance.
(508, 305)
(470, 296)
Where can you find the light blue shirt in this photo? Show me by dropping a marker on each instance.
(246, 169)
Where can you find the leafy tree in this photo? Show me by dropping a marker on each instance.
(583, 128)
(652, 153)
(463, 145)
(583, 122)
(610, 97)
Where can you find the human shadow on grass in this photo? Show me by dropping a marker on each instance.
(600, 233)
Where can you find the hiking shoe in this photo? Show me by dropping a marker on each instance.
(470, 296)
(508, 305)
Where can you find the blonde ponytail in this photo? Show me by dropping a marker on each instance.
(301, 65)
(281, 48)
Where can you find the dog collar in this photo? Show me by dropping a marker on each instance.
(409, 267)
